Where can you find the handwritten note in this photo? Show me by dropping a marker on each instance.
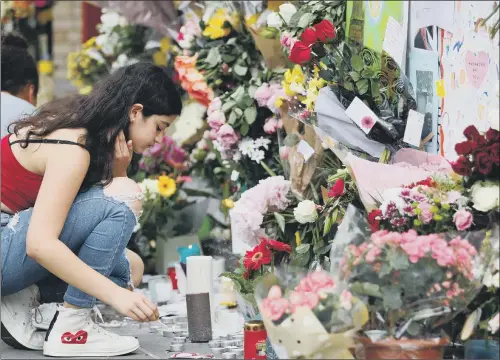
(394, 40)
(414, 126)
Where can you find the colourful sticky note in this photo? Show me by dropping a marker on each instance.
(440, 88)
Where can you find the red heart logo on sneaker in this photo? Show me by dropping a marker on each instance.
(79, 338)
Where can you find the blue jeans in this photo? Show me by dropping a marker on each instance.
(97, 229)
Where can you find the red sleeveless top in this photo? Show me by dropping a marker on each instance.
(19, 186)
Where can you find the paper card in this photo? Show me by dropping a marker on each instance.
(414, 126)
(440, 88)
(361, 115)
(305, 149)
(394, 40)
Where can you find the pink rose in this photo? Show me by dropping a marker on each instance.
(202, 144)
(271, 125)
(284, 152)
(287, 40)
(303, 299)
(215, 104)
(274, 306)
(213, 134)
(346, 300)
(462, 219)
(227, 136)
(262, 94)
(216, 119)
(453, 196)
(425, 215)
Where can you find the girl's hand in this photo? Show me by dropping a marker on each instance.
(123, 155)
(136, 306)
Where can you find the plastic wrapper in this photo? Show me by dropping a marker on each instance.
(413, 284)
(309, 316)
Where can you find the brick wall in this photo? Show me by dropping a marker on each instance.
(67, 32)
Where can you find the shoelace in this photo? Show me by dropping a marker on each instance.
(38, 312)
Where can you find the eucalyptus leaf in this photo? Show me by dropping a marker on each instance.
(213, 57)
(244, 129)
(281, 221)
(228, 58)
(238, 94)
(248, 101)
(232, 118)
(398, 260)
(228, 105)
(305, 20)
(251, 90)
(240, 70)
(302, 248)
(362, 85)
(367, 289)
(392, 297)
(357, 63)
(238, 111)
(385, 270)
(291, 140)
(250, 114)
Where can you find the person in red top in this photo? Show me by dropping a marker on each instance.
(68, 210)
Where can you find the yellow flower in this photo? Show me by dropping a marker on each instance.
(279, 102)
(89, 43)
(215, 25)
(165, 44)
(166, 186)
(85, 90)
(297, 238)
(274, 5)
(160, 58)
(252, 19)
(228, 203)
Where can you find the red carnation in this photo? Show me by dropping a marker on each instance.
(258, 256)
(483, 163)
(374, 219)
(492, 135)
(337, 189)
(495, 153)
(462, 166)
(471, 133)
(325, 30)
(276, 245)
(301, 53)
(463, 148)
(309, 36)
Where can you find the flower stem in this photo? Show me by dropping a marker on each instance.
(267, 168)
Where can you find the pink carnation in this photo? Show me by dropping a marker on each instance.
(262, 94)
(372, 254)
(315, 282)
(271, 125)
(303, 299)
(346, 300)
(214, 105)
(274, 306)
(425, 215)
(287, 40)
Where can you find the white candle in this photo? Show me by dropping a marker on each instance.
(200, 279)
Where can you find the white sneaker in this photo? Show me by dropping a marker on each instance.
(43, 315)
(74, 333)
(17, 327)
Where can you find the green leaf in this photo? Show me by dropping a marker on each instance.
(228, 105)
(302, 249)
(375, 88)
(326, 75)
(281, 221)
(367, 73)
(328, 225)
(366, 289)
(294, 20)
(231, 41)
(349, 86)
(357, 63)
(354, 75)
(238, 94)
(300, 260)
(384, 271)
(232, 118)
(392, 297)
(248, 101)
(228, 58)
(398, 260)
(414, 329)
(250, 114)
(305, 20)
(240, 70)
(363, 85)
(323, 249)
(213, 57)
(291, 140)
(238, 111)
(251, 90)
(244, 129)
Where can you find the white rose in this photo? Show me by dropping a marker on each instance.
(287, 11)
(485, 196)
(305, 212)
(149, 187)
(274, 20)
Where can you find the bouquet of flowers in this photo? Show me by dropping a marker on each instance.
(309, 315)
(414, 284)
(254, 265)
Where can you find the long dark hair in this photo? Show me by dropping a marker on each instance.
(105, 112)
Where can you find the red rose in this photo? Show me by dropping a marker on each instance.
(325, 30)
(495, 153)
(309, 36)
(337, 189)
(471, 133)
(301, 53)
(463, 148)
(276, 245)
(374, 220)
(483, 163)
(492, 135)
(462, 166)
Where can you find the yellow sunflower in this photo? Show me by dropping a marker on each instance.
(166, 186)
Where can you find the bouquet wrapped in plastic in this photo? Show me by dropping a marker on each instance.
(414, 285)
(309, 316)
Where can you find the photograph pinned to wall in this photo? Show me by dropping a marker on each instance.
(424, 72)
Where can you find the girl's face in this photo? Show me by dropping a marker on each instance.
(145, 131)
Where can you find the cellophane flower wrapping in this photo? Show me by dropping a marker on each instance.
(413, 284)
(309, 315)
